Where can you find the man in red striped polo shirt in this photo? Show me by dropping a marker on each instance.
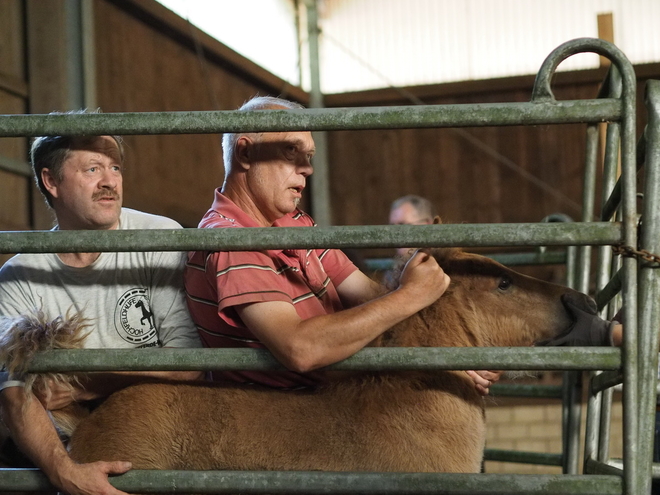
(310, 308)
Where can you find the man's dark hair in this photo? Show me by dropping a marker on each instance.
(52, 151)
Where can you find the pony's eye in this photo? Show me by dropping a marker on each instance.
(505, 283)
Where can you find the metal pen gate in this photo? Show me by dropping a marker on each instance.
(635, 363)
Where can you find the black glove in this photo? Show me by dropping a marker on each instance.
(588, 328)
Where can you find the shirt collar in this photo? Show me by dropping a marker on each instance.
(224, 206)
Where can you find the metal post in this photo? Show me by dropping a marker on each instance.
(320, 181)
(649, 290)
(75, 87)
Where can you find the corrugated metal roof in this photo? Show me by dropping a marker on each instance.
(377, 43)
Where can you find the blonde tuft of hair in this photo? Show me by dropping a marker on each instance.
(22, 337)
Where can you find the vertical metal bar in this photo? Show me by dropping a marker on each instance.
(574, 378)
(569, 389)
(320, 181)
(588, 198)
(599, 408)
(649, 289)
(571, 411)
(75, 87)
(608, 267)
(631, 458)
(88, 37)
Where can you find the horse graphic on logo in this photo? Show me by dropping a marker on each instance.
(146, 314)
(134, 319)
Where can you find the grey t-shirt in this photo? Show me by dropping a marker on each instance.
(129, 299)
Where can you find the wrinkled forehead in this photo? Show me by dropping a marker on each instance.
(301, 138)
(405, 214)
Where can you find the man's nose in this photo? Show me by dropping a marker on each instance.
(108, 178)
(306, 169)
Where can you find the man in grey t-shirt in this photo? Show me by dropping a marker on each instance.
(131, 299)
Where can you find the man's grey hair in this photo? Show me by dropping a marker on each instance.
(257, 103)
(422, 206)
(52, 151)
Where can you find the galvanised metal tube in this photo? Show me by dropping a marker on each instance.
(508, 259)
(614, 200)
(633, 476)
(370, 358)
(527, 391)
(599, 404)
(571, 421)
(611, 289)
(605, 421)
(572, 432)
(543, 92)
(318, 482)
(588, 196)
(522, 457)
(649, 289)
(592, 427)
(595, 467)
(314, 119)
(606, 380)
(15, 166)
(384, 236)
(618, 464)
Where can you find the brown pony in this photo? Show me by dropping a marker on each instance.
(376, 421)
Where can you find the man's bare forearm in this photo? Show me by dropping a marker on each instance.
(33, 431)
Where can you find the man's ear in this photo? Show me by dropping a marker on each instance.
(437, 220)
(50, 183)
(243, 150)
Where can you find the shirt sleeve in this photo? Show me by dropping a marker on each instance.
(172, 319)
(337, 265)
(15, 297)
(244, 277)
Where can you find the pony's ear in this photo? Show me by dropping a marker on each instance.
(437, 220)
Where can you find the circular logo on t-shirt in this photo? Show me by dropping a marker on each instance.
(134, 320)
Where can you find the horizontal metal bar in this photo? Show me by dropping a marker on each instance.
(618, 464)
(508, 259)
(319, 482)
(592, 466)
(371, 358)
(315, 119)
(527, 391)
(15, 166)
(522, 457)
(605, 380)
(516, 259)
(383, 236)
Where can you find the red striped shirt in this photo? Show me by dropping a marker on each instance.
(216, 282)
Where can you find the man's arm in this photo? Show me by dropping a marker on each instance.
(357, 289)
(304, 345)
(35, 435)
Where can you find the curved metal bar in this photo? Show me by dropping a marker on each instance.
(542, 93)
(542, 85)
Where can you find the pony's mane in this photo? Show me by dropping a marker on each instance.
(22, 337)
(442, 255)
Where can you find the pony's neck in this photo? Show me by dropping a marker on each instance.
(433, 326)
